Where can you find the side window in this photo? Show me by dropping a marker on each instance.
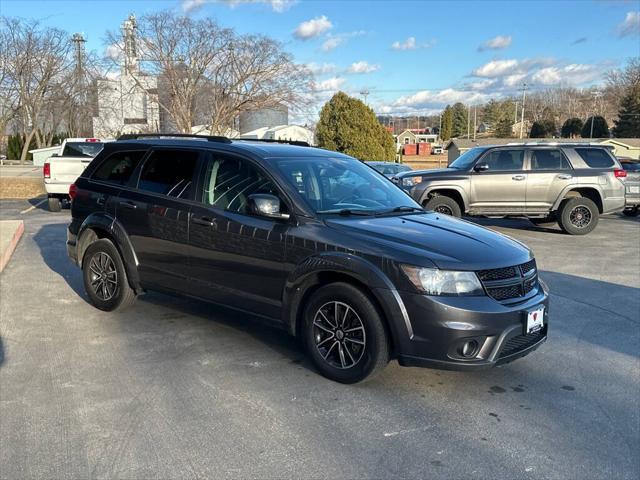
(229, 181)
(169, 172)
(549, 160)
(118, 167)
(504, 160)
(595, 157)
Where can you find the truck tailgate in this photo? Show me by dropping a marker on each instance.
(66, 169)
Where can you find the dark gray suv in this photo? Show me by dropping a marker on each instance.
(571, 184)
(315, 242)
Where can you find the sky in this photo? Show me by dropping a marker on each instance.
(413, 57)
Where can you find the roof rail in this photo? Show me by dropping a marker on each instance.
(298, 143)
(138, 136)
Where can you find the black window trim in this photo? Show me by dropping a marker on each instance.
(500, 172)
(547, 147)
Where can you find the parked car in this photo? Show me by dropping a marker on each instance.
(312, 240)
(571, 184)
(62, 168)
(632, 185)
(389, 169)
(437, 150)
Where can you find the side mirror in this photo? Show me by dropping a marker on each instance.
(266, 205)
(481, 167)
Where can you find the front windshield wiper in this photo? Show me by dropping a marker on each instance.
(401, 209)
(348, 211)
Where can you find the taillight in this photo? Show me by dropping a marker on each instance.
(46, 170)
(92, 140)
(620, 173)
(73, 190)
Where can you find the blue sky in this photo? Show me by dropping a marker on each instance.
(413, 56)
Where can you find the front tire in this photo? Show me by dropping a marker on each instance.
(105, 279)
(578, 216)
(55, 204)
(344, 334)
(444, 205)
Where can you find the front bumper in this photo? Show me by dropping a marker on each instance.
(440, 325)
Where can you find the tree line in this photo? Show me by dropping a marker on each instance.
(206, 74)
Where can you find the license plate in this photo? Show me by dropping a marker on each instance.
(634, 189)
(534, 320)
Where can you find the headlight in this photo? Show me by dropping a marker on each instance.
(407, 182)
(443, 282)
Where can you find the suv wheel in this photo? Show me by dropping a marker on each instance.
(578, 216)
(55, 204)
(443, 204)
(105, 279)
(631, 212)
(344, 334)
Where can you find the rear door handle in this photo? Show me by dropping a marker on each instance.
(129, 205)
(206, 221)
(518, 178)
(565, 177)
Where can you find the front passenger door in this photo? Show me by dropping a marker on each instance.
(237, 258)
(502, 187)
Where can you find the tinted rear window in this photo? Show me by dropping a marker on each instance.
(118, 167)
(595, 157)
(631, 167)
(169, 172)
(82, 149)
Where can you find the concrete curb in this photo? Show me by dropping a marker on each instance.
(6, 255)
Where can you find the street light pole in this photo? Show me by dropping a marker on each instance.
(524, 90)
(595, 94)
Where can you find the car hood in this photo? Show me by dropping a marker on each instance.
(433, 239)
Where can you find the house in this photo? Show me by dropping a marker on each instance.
(624, 147)
(40, 155)
(484, 128)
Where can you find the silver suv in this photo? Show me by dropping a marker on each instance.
(571, 184)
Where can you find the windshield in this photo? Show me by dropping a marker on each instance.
(467, 159)
(343, 185)
(82, 149)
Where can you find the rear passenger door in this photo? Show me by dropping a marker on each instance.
(154, 211)
(237, 257)
(549, 174)
(502, 187)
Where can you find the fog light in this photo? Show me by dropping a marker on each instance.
(469, 349)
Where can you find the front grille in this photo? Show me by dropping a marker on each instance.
(505, 293)
(497, 274)
(508, 283)
(520, 342)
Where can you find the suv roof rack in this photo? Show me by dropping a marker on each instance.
(138, 136)
(298, 143)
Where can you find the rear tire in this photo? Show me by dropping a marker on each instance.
(444, 205)
(55, 204)
(344, 334)
(631, 212)
(578, 216)
(105, 279)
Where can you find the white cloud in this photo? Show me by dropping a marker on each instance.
(408, 44)
(321, 69)
(496, 43)
(426, 98)
(630, 25)
(113, 51)
(362, 67)
(496, 68)
(573, 74)
(329, 85)
(276, 5)
(313, 28)
(482, 84)
(334, 41)
(513, 80)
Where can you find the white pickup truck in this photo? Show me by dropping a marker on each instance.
(64, 167)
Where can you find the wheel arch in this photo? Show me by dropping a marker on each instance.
(451, 191)
(102, 225)
(325, 269)
(592, 192)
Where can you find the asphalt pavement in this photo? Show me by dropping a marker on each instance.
(176, 388)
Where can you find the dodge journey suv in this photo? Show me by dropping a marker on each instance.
(314, 241)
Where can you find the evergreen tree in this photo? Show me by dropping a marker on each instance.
(460, 118)
(537, 130)
(571, 128)
(627, 125)
(447, 123)
(347, 125)
(600, 128)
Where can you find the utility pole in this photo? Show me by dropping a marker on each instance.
(524, 91)
(595, 94)
(365, 94)
(468, 120)
(515, 119)
(440, 127)
(475, 119)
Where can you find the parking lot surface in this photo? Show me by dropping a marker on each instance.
(176, 388)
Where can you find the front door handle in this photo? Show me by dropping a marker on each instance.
(565, 177)
(518, 178)
(129, 205)
(206, 221)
